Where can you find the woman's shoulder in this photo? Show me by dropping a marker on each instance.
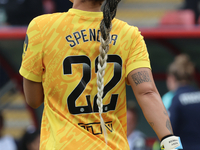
(124, 26)
(46, 17)
(44, 20)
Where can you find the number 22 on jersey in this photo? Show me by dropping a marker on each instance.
(75, 94)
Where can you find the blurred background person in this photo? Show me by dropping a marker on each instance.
(172, 85)
(193, 5)
(136, 138)
(6, 142)
(30, 139)
(51, 6)
(21, 12)
(184, 111)
(62, 5)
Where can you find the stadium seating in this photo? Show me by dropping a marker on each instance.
(178, 17)
(146, 13)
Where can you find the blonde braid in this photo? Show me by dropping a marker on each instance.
(109, 12)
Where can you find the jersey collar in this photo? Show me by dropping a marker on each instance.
(86, 13)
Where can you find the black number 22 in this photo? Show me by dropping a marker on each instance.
(85, 61)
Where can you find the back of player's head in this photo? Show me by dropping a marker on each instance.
(182, 68)
(109, 11)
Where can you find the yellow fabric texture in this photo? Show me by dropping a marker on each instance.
(61, 51)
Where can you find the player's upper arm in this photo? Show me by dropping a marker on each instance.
(33, 92)
(141, 81)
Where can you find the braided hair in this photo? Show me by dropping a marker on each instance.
(109, 12)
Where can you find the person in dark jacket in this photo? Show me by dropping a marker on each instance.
(21, 12)
(184, 111)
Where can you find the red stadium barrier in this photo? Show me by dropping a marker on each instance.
(164, 32)
(156, 32)
(12, 32)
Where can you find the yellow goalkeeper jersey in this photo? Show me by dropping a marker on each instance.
(61, 51)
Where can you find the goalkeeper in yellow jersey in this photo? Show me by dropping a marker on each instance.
(78, 63)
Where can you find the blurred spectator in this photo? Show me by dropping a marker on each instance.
(30, 140)
(51, 6)
(21, 12)
(62, 5)
(171, 86)
(193, 5)
(6, 142)
(2, 15)
(184, 111)
(136, 138)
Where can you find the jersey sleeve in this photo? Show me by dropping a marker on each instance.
(31, 66)
(138, 56)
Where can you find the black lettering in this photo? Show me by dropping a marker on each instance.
(173, 141)
(77, 36)
(72, 41)
(84, 35)
(92, 34)
(95, 128)
(114, 39)
(98, 35)
(176, 143)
